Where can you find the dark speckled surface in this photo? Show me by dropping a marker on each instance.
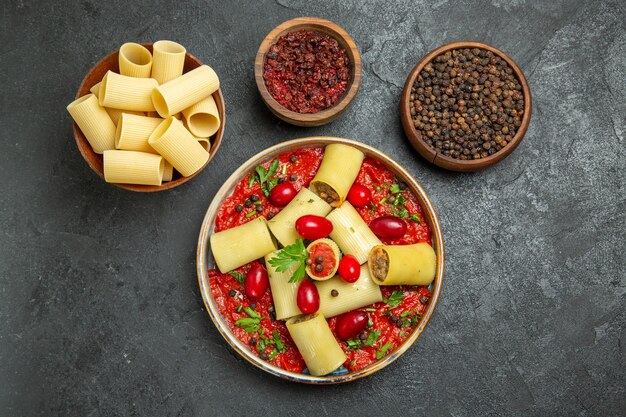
(100, 313)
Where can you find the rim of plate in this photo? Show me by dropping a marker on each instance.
(204, 259)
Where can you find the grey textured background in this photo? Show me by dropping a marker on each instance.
(100, 312)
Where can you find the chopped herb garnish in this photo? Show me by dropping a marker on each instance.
(415, 218)
(395, 189)
(310, 201)
(252, 313)
(272, 354)
(251, 180)
(402, 333)
(260, 345)
(406, 313)
(401, 212)
(238, 276)
(352, 229)
(353, 344)
(289, 256)
(380, 353)
(239, 307)
(370, 309)
(394, 299)
(352, 362)
(399, 201)
(249, 324)
(264, 176)
(278, 342)
(252, 213)
(383, 201)
(372, 338)
(284, 169)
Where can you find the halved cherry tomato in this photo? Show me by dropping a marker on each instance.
(256, 282)
(313, 227)
(349, 268)
(359, 195)
(308, 299)
(282, 194)
(350, 324)
(390, 227)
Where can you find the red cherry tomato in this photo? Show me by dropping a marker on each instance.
(359, 195)
(256, 282)
(350, 324)
(308, 299)
(389, 227)
(349, 268)
(313, 227)
(282, 194)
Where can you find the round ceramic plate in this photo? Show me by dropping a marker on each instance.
(205, 261)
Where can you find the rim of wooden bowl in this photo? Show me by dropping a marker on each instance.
(345, 40)
(445, 161)
(94, 160)
(204, 259)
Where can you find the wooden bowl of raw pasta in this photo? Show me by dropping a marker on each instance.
(95, 160)
(207, 264)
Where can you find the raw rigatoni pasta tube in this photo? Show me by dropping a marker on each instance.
(129, 167)
(305, 202)
(202, 118)
(328, 252)
(178, 146)
(351, 233)
(340, 167)
(403, 264)
(94, 122)
(235, 247)
(95, 90)
(349, 296)
(135, 60)
(168, 61)
(168, 172)
(133, 132)
(315, 342)
(206, 144)
(115, 114)
(283, 292)
(126, 93)
(184, 91)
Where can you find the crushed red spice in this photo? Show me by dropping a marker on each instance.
(306, 71)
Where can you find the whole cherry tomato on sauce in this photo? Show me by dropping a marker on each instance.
(256, 282)
(282, 194)
(390, 227)
(349, 269)
(359, 195)
(350, 324)
(308, 299)
(313, 227)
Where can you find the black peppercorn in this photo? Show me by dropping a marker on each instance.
(232, 293)
(252, 341)
(238, 208)
(319, 259)
(293, 177)
(263, 356)
(281, 180)
(334, 293)
(319, 268)
(248, 203)
(253, 306)
(293, 158)
(270, 215)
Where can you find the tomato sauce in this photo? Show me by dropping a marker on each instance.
(391, 322)
(328, 259)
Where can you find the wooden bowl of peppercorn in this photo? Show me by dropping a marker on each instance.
(465, 106)
(95, 161)
(308, 71)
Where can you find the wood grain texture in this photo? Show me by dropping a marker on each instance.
(205, 261)
(444, 161)
(321, 25)
(94, 160)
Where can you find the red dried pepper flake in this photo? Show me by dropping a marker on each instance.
(306, 71)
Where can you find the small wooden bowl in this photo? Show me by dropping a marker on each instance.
(205, 260)
(320, 25)
(445, 161)
(94, 160)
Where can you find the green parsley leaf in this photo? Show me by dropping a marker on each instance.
(238, 276)
(400, 212)
(251, 181)
(353, 344)
(252, 313)
(415, 218)
(278, 341)
(264, 176)
(383, 201)
(273, 354)
(260, 345)
(395, 189)
(401, 334)
(372, 338)
(352, 362)
(400, 201)
(289, 256)
(394, 299)
(250, 325)
(380, 353)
